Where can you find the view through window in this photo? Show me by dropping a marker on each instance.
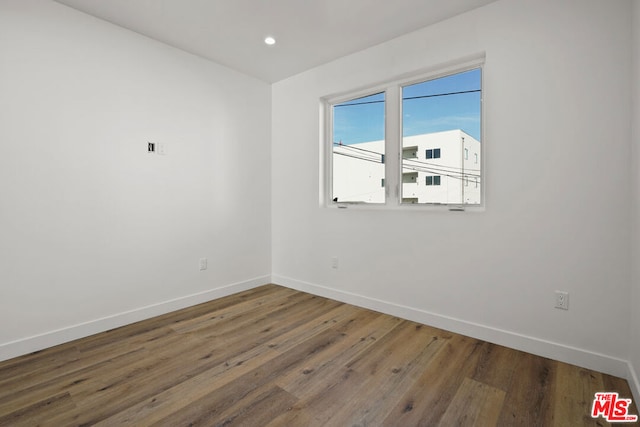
(358, 150)
(439, 149)
(441, 120)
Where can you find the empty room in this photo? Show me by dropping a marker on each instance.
(319, 213)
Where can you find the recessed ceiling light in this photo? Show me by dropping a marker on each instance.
(270, 41)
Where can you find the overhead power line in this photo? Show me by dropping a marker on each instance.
(433, 165)
(359, 158)
(434, 171)
(462, 92)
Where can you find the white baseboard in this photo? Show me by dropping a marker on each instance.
(556, 351)
(634, 384)
(52, 338)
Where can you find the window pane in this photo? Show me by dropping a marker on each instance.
(442, 117)
(358, 150)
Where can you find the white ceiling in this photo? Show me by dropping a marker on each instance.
(308, 32)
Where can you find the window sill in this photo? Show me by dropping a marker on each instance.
(422, 207)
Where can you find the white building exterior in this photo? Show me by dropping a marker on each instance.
(358, 172)
(437, 168)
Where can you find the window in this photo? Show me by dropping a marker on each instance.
(438, 115)
(359, 150)
(432, 180)
(433, 153)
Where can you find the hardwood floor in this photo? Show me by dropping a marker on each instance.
(278, 357)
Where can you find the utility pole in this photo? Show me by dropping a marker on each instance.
(463, 176)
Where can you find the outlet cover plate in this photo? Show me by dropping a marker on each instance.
(562, 300)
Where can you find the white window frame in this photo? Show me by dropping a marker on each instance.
(393, 138)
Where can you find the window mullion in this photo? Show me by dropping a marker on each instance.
(392, 145)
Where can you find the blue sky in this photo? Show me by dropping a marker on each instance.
(362, 119)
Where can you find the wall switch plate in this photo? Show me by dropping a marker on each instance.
(562, 300)
(151, 147)
(203, 264)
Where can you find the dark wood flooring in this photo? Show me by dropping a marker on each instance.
(278, 357)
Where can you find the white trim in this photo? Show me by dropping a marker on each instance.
(52, 338)
(556, 351)
(634, 384)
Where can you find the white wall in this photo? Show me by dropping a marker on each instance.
(95, 232)
(634, 357)
(556, 90)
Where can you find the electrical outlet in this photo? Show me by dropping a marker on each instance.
(203, 264)
(162, 148)
(334, 262)
(562, 300)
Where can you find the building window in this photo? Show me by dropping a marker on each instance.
(432, 180)
(441, 110)
(433, 153)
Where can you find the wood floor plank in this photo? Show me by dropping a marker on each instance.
(531, 398)
(612, 383)
(208, 409)
(230, 314)
(310, 379)
(264, 404)
(474, 404)
(206, 355)
(496, 366)
(76, 362)
(278, 357)
(340, 318)
(358, 393)
(427, 400)
(164, 403)
(572, 389)
(108, 338)
(24, 395)
(40, 412)
(381, 392)
(279, 320)
(44, 365)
